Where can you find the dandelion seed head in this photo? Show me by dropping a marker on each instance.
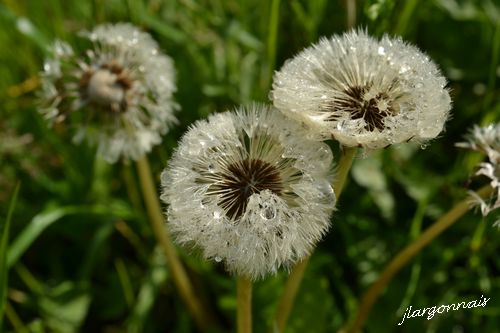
(117, 94)
(250, 190)
(487, 141)
(363, 91)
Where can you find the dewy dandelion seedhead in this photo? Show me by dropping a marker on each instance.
(117, 94)
(248, 188)
(364, 92)
(487, 141)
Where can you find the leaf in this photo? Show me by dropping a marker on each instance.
(65, 306)
(4, 240)
(148, 293)
(94, 247)
(25, 27)
(163, 29)
(368, 173)
(309, 314)
(45, 219)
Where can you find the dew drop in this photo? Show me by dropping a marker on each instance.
(217, 214)
(423, 146)
(194, 150)
(324, 152)
(289, 152)
(24, 25)
(323, 157)
(325, 189)
(404, 69)
(211, 168)
(381, 50)
(268, 213)
(218, 259)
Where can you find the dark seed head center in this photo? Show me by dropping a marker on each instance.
(372, 110)
(244, 178)
(106, 87)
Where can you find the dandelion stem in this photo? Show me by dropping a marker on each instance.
(404, 256)
(295, 279)
(272, 38)
(14, 319)
(244, 315)
(179, 275)
(351, 13)
(345, 164)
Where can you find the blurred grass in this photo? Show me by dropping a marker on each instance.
(4, 245)
(82, 255)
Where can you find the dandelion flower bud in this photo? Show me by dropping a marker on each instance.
(364, 92)
(249, 189)
(117, 93)
(487, 141)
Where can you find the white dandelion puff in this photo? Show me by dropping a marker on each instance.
(118, 93)
(249, 189)
(487, 141)
(364, 92)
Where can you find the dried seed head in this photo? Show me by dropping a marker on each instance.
(364, 92)
(250, 189)
(117, 93)
(487, 141)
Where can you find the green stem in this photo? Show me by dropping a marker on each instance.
(405, 17)
(4, 247)
(14, 319)
(404, 256)
(495, 55)
(348, 154)
(131, 187)
(178, 272)
(126, 284)
(292, 285)
(244, 311)
(351, 13)
(272, 38)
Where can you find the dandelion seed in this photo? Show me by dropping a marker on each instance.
(116, 94)
(487, 141)
(364, 92)
(250, 190)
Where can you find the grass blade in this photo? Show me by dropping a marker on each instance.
(46, 218)
(4, 240)
(148, 293)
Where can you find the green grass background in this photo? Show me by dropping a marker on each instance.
(81, 255)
